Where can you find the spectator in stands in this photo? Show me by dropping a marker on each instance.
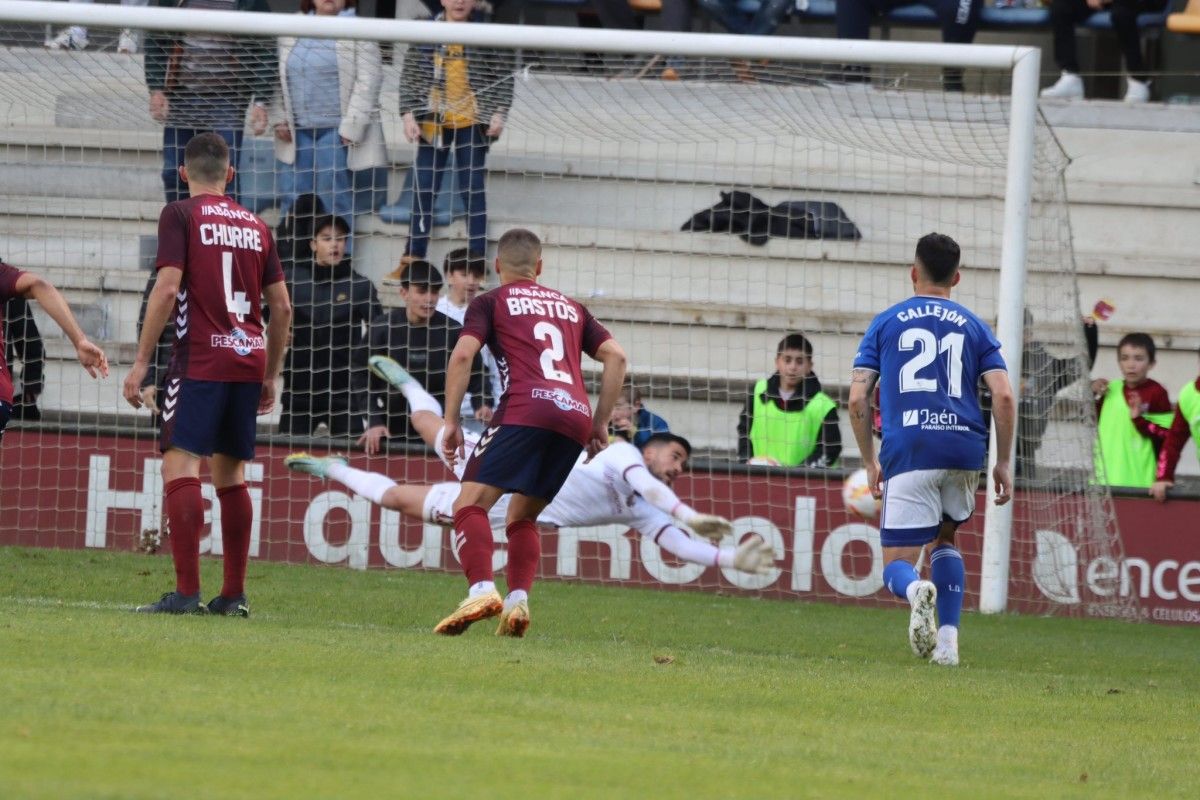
(1133, 416)
(959, 20)
(419, 338)
(762, 22)
(676, 15)
(1185, 423)
(327, 113)
(23, 343)
(325, 374)
(464, 277)
(788, 420)
(294, 232)
(75, 37)
(632, 421)
(203, 82)
(452, 98)
(1066, 14)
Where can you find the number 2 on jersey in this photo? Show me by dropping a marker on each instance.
(545, 332)
(235, 302)
(929, 348)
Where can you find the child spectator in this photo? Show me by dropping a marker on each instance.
(1185, 423)
(325, 373)
(788, 420)
(632, 421)
(464, 278)
(1133, 415)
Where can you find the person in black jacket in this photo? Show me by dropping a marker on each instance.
(325, 372)
(419, 338)
(23, 342)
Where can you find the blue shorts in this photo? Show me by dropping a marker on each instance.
(206, 417)
(534, 462)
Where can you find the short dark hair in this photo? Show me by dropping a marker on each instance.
(666, 437)
(330, 221)
(1142, 340)
(795, 341)
(421, 273)
(206, 157)
(463, 260)
(938, 255)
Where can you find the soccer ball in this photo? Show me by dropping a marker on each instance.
(856, 495)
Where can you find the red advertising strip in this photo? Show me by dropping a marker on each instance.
(80, 490)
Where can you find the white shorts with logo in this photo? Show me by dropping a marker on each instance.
(916, 502)
(439, 505)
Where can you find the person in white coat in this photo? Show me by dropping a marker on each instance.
(327, 113)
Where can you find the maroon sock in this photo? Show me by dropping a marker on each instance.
(474, 534)
(185, 515)
(524, 553)
(236, 516)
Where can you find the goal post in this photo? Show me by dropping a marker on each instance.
(906, 156)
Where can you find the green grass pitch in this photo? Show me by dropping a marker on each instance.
(335, 687)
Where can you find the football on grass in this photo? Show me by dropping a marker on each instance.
(856, 495)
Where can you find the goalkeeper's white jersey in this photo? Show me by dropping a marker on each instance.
(596, 493)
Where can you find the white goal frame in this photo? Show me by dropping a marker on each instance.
(1024, 64)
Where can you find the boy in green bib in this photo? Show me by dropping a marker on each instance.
(788, 420)
(1186, 423)
(1133, 415)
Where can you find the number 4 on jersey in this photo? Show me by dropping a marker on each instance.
(235, 302)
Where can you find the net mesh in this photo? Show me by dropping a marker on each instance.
(701, 207)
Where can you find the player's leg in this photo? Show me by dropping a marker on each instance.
(556, 456)
(189, 425)
(945, 561)
(910, 519)
(424, 410)
(233, 447)
(409, 500)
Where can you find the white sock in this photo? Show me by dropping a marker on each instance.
(370, 485)
(911, 591)
(948, 636)
(483, 587)
(514, 597)
(679, 544)
(419, 399)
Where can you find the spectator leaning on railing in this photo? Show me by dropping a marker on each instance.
(203, 82)
(326, 113)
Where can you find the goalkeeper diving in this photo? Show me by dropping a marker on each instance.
(621, 485)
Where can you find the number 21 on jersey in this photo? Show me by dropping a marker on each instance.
(235, 302)
(928, 348)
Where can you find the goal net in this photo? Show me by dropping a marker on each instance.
(704, 205)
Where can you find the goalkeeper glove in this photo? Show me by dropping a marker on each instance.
(710, 526)
(754, 556)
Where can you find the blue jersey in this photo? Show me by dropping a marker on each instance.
(930, 353)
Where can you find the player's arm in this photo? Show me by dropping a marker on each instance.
(458, 373)
(159, 305)
(612, 377)
(663, 497)
(1004, 415)
(862, 384)
(278, 330)
(35, 287)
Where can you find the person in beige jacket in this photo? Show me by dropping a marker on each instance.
(327, 113)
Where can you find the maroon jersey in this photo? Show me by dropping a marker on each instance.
(537, 335)
(227, 256)
(8, 288)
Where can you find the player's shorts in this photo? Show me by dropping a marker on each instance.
(915, 504)
(439, 505)
(531, 461)
(206, 417)
(5, 416)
